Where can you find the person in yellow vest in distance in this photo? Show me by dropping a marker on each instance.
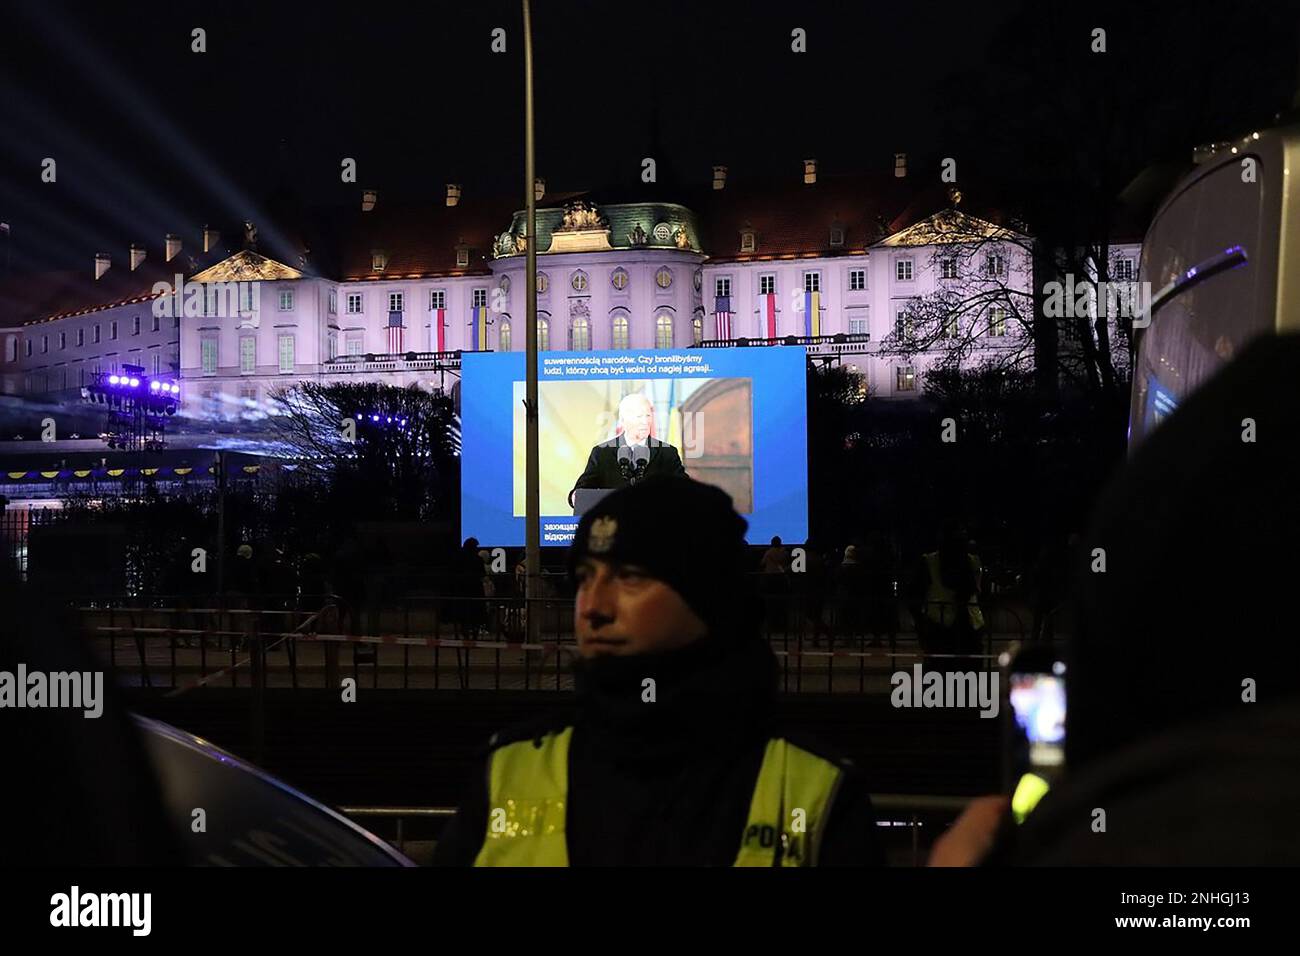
(671, 755)
(948, 616)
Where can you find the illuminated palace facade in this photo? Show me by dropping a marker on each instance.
(844, 266)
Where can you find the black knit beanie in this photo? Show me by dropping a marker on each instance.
(682, 532)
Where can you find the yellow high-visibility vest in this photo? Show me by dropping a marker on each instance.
(941, 602)
(528, 792)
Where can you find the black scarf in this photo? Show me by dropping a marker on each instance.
(712, 695)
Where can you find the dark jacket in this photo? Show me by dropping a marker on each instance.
(602, 469)
(1197, 597)
(669, 783)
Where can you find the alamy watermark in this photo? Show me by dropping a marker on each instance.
(1080, 300)
(77, 909)
(947, 689)
(194, 300)
(79, 690)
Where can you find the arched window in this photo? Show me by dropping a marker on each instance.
(543, 335)
(619, 339)
(697, 329)
(664, 332)
(579, 334)
(504, 344)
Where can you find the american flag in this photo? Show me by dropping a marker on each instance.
(395, 330)
(722, 316)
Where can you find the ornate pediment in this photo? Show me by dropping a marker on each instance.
(948, 226)
(247, 266)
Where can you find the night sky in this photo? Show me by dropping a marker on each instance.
(152, 138)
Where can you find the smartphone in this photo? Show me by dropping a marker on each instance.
(1034, 749)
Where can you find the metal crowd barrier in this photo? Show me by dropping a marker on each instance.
(893, 811)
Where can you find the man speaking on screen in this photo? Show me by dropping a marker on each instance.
(633, 454)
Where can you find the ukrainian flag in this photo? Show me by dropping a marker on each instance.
(478, 328)
(812, 313)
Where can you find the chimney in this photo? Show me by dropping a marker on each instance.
(719, 177)
(210, 238)
(809, 171)
(368, 199)
(539, 189)
(102, 261)
(137, 255)
(453, 193)
(900, 165)
(173, 245)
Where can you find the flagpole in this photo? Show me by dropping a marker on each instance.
(532, 470)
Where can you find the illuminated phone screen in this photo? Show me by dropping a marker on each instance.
(1038, 704)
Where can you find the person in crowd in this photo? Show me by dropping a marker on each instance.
(672, 754)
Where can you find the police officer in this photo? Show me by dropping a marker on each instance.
(670, 755)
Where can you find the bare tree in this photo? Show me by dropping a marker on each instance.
(398, 447)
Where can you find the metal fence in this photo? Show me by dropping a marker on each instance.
(910, 823)
(478, 643)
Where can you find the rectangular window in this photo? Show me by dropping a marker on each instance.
(948, 268)
(334, 301)
(437, 299)
(112, 330)
(858, 324)
(247, 355)
(156, 323)
(857, 280)
(332, 345)
(479, 298)
(286, 300)
(63, 340)
(356, 343)
(903, 270)
(767, 284)
(395, 300)
(208, 347)
(354, 303)
(29, 351)
(904, 328)
(722, 287)
(747, 242)
(249, 303)
(998, 322)
(1124, 270)
(812, 281)
(286, 354)
(81, 337)
(95, 331)
(45, 343)
(157, 363)
(948, 329)
(995, 266)
(135, 325)
(905, 379)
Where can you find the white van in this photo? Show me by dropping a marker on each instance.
(1223, 256)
